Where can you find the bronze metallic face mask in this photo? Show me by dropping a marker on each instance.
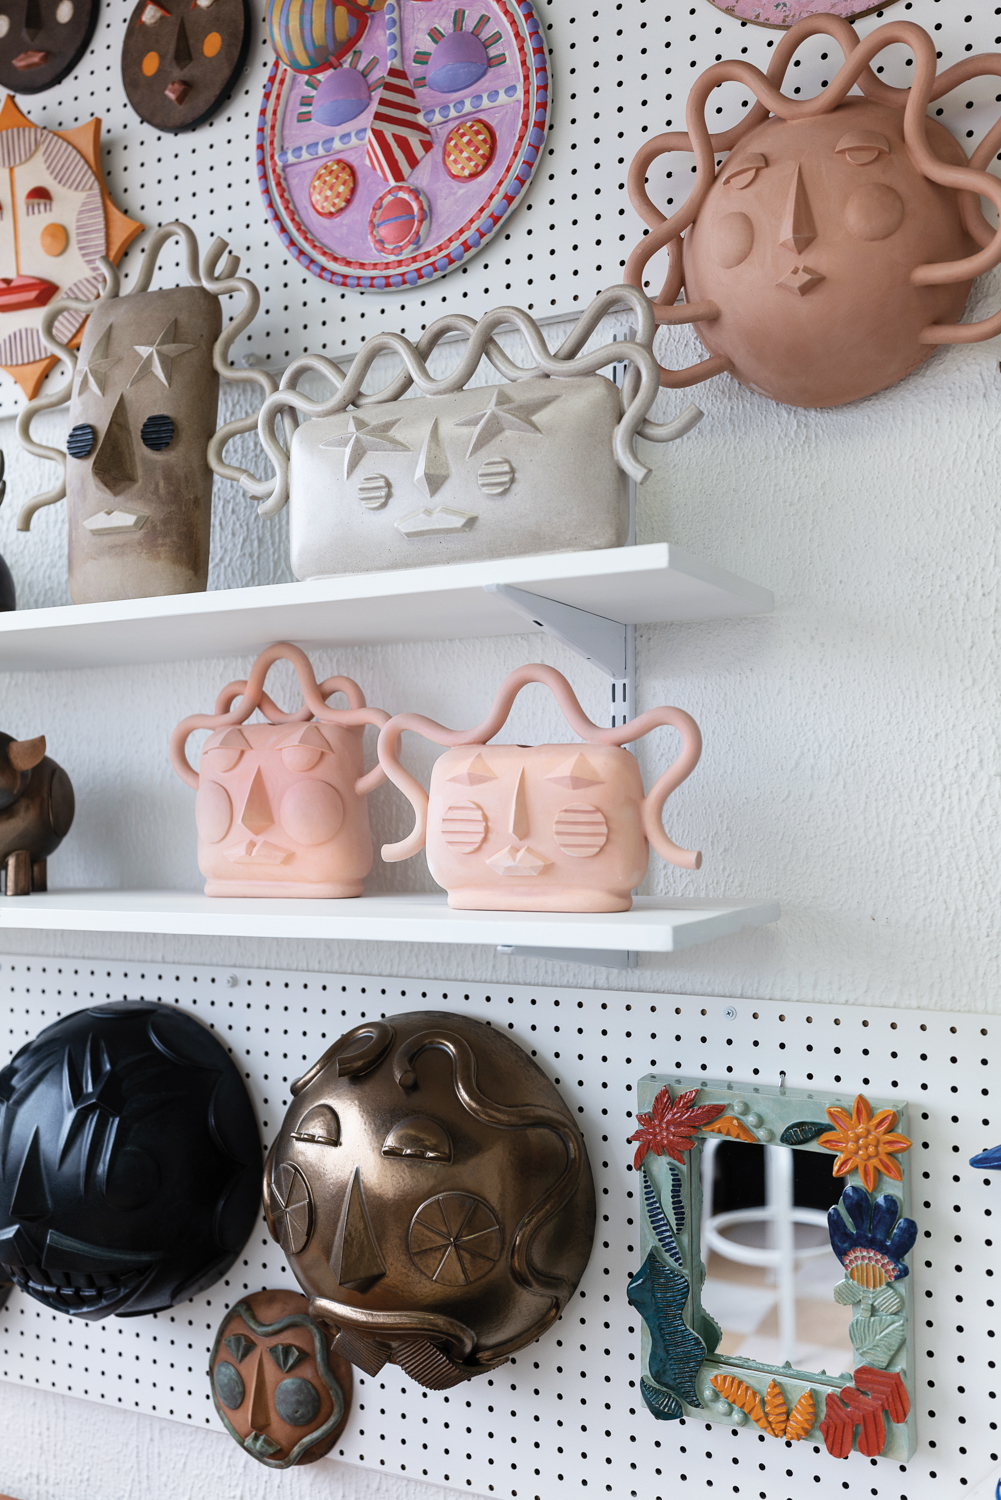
(432, 1193)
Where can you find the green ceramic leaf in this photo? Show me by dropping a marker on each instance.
(803, 1131)
(876, 1340)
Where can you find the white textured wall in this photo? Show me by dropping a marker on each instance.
(58, 1448)
(851, 767)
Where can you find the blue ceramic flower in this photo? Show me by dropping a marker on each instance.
(872, 1251)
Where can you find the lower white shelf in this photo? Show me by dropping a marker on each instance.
(653, 926)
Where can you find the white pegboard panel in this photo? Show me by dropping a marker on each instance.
(564, 1417)
(622, 69)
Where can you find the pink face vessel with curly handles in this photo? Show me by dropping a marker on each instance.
(539, 827)
(835, 247)
(281, 807)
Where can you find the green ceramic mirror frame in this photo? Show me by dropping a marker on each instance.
(870, 1410)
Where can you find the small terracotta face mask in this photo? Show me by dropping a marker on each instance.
(43, 40)
(784, 13)
(280, 1391)
(180, 58)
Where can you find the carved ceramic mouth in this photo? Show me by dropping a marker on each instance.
(800, 280)
(33, 58)
(258, 852)
(18, 293)
(92, 1294)
(519, 862)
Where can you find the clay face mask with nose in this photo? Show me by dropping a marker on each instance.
(544, 827)
(143, 445)
(432, 1193)
(281, 807)
(278, 1388)
(835, 246)
(41, 41)
(181, 58)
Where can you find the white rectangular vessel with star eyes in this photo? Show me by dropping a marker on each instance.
(490, 472)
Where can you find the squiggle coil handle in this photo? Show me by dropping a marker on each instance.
(288, 405)
(651, 806)
(250, 691)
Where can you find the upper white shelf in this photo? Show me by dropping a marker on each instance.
(632, 585)
(654, 925)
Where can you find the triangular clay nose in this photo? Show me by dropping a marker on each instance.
(798, 227)
(31, 1198)
(257, 814)
(260, 1413)
(182, 47)
(356, 1260)
(518, 825)
(114, 465)
(32, 19)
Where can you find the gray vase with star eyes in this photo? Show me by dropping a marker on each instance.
(142, 411)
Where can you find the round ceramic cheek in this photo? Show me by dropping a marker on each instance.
(213, 812)
(874, 211)
(731, 240)
(53, 239)
(311, 812)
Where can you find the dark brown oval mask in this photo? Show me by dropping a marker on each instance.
(41, 41)
(180, 58)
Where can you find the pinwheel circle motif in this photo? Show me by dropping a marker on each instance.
(865, 1142)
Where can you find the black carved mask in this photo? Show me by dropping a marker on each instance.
(42, 40)
(130, 1161)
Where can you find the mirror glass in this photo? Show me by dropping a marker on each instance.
(770, 1269)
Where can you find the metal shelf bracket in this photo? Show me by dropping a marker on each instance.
(607, 644)
(601, 958)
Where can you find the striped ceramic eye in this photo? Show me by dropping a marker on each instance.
(80, 441)
(464, 827)
(580, 830)
(157, 433)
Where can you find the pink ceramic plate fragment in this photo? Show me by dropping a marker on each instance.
(788, 12)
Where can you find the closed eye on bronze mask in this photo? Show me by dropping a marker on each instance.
(41, 41)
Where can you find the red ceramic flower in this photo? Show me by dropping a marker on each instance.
(669, 1129)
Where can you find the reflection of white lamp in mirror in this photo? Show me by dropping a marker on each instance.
(782, 1259)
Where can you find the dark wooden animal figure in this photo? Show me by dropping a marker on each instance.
(36, 810)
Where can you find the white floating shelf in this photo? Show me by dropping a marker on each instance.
(653, 926)
(632, 585)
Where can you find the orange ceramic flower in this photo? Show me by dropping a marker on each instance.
(865, 1142)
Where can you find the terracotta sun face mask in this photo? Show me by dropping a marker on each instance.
(432, 1193)
(543, 827)
(281, 807)
(835, 247)
(41, 41)
(181, 58)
